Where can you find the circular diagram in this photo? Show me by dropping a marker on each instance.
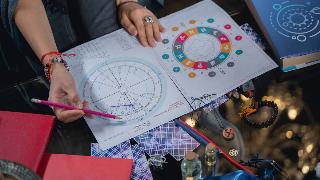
(194, 49)
(126, 89)
(202, 48)
(296, 21)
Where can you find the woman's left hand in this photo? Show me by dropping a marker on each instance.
(133, 19)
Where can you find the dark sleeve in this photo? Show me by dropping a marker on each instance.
(7, 9)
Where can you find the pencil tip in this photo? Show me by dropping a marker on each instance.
(117, 117)
(34, 100)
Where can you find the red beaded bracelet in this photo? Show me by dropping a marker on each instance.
(55, 57)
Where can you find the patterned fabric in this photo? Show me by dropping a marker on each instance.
(140, 169)
(167, 138)
(253, 35)
(122, 150)
(150, 143)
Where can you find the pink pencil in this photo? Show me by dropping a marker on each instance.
(68, 107)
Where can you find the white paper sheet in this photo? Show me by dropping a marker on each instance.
(201, 58)
(207, 54)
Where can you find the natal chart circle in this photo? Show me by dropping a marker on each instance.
(127, 89)
(298, 21)
(194, 49)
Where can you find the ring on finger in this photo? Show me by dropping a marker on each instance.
(149, 19)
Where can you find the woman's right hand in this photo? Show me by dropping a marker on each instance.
(63, 90)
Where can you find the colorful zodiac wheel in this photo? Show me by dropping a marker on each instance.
(190, 48)
(201, 48)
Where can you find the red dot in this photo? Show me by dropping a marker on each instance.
(238, 38)
(227, 26)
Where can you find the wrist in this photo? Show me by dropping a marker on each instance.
(57, 67)
(55, 63)
(120, 3)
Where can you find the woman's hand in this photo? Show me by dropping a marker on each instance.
(63, 90)
(132, 18)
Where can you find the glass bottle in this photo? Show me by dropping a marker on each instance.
(191, 167)
(210, 160)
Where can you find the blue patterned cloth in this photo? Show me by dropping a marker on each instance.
(141, 170)
(122, 150)
(165, 139)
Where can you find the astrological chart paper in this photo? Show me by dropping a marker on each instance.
(203, 55)
(207, 54)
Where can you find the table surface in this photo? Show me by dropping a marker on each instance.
(293, 141)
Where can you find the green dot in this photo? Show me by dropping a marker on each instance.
(165, 56)
(176, 69)
(211, 20)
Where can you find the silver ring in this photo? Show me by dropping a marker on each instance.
(148, 19)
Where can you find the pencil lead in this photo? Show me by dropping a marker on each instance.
(35, 100)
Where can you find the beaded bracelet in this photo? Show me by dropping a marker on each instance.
(47, 67)
(246, 111)
(55, 57)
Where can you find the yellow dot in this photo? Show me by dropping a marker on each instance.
(292, 113)
(309, 148)
(192, 75)
(289, 134)
(192, 21)
(191, 122)
(305, 169)
(175, 29)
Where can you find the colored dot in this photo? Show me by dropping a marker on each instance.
(176, 69)
(175, 29)
(165, 41)
(238, 38)
(192, 75)
(230, 64)
(165, 56)
(227, 26)
(238, 52)
(192, 21)
(212, 74)
(211, 20)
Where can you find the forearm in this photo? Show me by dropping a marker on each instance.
(122, 1)
(31, 19)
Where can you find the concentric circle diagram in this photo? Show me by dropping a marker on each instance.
(298, 21)
(201, 48)
(127, 89)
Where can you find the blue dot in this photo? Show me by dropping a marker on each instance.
(238, 52)
(176, 69)
(211, 20)
(165, 56)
